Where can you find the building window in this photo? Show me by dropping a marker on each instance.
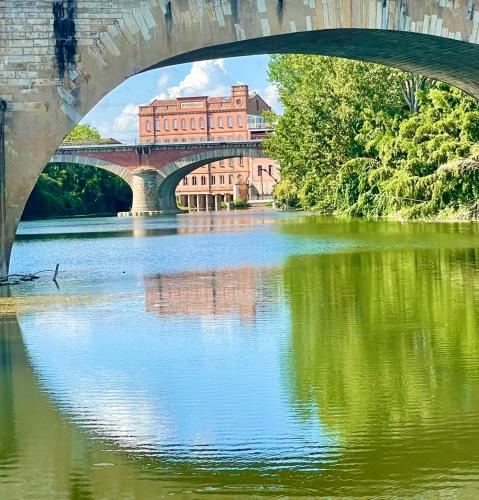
(202, 123)
(203, 180)
(230, 179)
(175, 124)
(270, 170)
(183, 124)
(157, 123)
(192, 123)
(212, 123)
(148, 126)
(213, 180)
(193, 180)
(222, 163)
(185, 181)
(166, 124)
(220, 122)
(239, 121)
(260, 170)
(222, 179)
(230, 121)
(232, 162)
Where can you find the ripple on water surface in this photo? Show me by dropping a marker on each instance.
(268, 353)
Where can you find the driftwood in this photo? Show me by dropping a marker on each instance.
(17, 279)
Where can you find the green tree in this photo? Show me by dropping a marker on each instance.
(67, 189)
(362, 139)
(83, 133)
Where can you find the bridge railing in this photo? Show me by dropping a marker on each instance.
(160, 142)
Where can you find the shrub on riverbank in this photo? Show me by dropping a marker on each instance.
(366, 140)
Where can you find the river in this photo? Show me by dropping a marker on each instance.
(241, 354)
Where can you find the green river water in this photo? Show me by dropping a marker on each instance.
(241, 354)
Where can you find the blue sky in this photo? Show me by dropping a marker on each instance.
(116, 114)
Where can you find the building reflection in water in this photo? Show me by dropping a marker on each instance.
(222, 292)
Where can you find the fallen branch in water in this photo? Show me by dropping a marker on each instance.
(17, 279)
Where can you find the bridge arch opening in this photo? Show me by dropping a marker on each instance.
(75, 186)
(174, 172)
(422, 37)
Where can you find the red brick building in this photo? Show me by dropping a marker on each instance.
(194, 119)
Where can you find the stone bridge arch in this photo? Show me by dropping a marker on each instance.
(154, 189)
(85, 161)
(50, 81)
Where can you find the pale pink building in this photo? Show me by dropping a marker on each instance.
(237, 117)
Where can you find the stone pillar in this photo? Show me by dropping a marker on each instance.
(217, 202)
(197, 202)
(4, 244)
(146, 183)
(210, 202)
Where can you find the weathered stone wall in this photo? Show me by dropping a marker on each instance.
(58, 58)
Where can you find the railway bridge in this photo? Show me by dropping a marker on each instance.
(153, 171)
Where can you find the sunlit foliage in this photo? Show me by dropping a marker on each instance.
(362, 139)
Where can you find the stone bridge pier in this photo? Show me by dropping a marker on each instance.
(147, 199)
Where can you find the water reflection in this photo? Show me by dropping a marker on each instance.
(385, 350)
(350, 368)
(208, 294)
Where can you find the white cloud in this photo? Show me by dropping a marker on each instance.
(205, 78)
(124, 127)
(271, 95)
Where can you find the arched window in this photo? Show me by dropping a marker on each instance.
(203, 180)
(175, 123)
(230, 121)
(166, 124)
(230, 179)
(212, 123)
(239, 121)
(157, 123)
(232, 162)
(192, 123)
(202, 123)
(193, 180)
(148, 126)
(220, 122)
(183, 124)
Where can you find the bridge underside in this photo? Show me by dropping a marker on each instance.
(114, 42)
(444, 59)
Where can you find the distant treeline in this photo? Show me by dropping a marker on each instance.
(64, 190)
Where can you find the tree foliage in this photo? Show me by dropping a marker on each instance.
(63, 190)
(363, 139)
